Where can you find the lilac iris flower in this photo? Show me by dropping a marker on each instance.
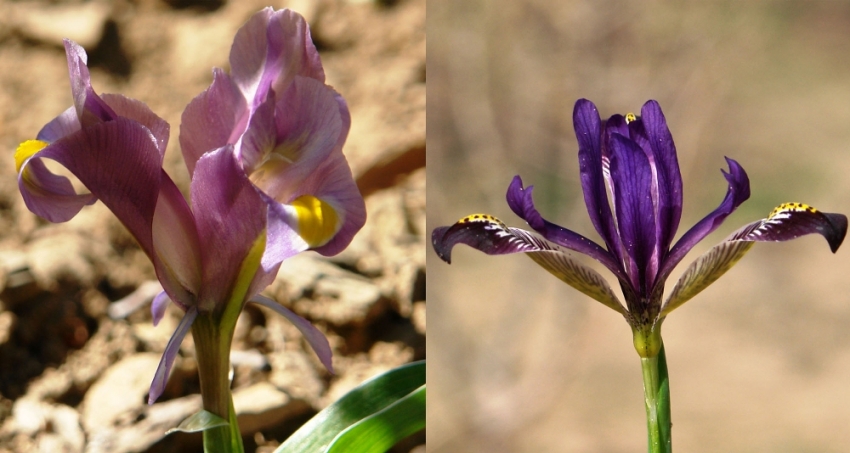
(633, 192)
(287, 128)
(213, 257)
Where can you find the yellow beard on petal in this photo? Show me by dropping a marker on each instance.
(318, 221)
(26, 150)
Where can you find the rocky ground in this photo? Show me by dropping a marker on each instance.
(75, 361)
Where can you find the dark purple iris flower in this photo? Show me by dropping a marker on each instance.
(633, 192)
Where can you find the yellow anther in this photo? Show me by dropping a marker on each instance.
(630, 117)
(318, 222)
(26, 150)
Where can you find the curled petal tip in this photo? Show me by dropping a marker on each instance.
(441, 246)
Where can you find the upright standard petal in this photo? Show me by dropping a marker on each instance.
(668, 176)
(588, 128)
(91, 109)
(632, 181)
(269, 50)
(215, 118)
(737, 192)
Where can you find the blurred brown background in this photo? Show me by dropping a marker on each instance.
(72, 378)
(760, 361)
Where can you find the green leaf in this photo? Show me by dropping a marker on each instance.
(370, 398)
(383, 429)
(199, 421)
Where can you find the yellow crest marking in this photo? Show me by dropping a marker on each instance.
(791, 207)
(26, 150)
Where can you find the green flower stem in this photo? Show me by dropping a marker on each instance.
(212, 347)
(656, 389)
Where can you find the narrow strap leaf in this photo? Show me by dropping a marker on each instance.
(367, 399)
(380, 431)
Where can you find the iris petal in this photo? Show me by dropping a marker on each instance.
(792, 220)
(213, 119)
(737, 192)
(521, 202)
(167, 361)
(489, 235)
(230, 216)
(314, 337)
(632, 178)
(588, 128)
(704, 271)
(669, 177)
(788, 221)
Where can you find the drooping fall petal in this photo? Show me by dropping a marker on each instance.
(788, 221)
(488, 234)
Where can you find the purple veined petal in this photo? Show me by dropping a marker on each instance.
(737, 192)
(215, 118)
(314, 336)
(334, 184)
(127, 182)
(788, 221)
(65, 124)
(139, 112)
(488, 234)
(177, 251)
(249, 52)
(631, 175)
(521, 202)
(792, 220)
(484, 233)
(308, 126)
(704, 271)
(291, 48)
(271, 48)
(158, 306)
(668, 175)
(579, 276)
(230, 217)
(257, 144)
(164, 369)
(47, 195)
(589, 129)
(90, 108)
(282, 242)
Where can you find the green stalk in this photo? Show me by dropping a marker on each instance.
(656, 389)
(212, 347)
